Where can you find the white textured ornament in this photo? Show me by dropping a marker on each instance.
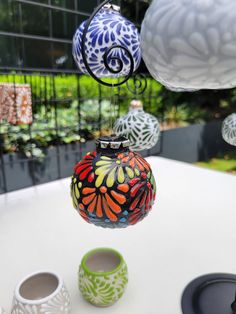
(229, 129)
(141, 128)
(108, 28)
(191, 44)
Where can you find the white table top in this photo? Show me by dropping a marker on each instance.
(190, 232)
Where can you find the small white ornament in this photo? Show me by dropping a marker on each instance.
(229, 129)
(141, 128)
(191, 44)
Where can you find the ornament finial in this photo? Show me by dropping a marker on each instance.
(112, 7)
(136, 104)
(112, 143)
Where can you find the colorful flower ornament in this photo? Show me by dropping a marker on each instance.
(141, 128)
(229, 129)
(191, 44)
(108, 28)
(113, 187)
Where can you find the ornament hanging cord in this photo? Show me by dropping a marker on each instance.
(112, 107)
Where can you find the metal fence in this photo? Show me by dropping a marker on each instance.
(36, 44)
(38, 34)
(69, 111)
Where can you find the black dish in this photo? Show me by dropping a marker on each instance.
(210, 294)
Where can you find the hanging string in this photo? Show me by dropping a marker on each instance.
(111, 107)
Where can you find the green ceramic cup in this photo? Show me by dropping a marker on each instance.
(103, 277)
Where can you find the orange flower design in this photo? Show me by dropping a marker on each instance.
(103, 201)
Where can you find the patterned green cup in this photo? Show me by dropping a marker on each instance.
(103, 277)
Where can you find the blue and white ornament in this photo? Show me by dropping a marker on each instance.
(108, 28)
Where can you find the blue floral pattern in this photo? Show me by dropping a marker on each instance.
(107, 29)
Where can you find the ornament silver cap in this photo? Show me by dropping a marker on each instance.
(112, 7)
(113, 143)
(136, 104)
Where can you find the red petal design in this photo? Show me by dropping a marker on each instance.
(147, 203)
(135, 202)
(82, 164)
(135, 217)
(143, 200)
(91, 177)
(88, 157)
(134, 181)
(135, 189)
(84, 174)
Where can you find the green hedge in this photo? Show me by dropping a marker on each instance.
(172, 109)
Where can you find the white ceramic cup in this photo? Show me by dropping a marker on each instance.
(41, 292)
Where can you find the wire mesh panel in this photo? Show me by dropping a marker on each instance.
(38, 34)
(69, 111)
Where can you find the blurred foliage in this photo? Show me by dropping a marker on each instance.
(226, 163)
(70, 109)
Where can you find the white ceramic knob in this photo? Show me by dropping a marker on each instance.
(191, 44)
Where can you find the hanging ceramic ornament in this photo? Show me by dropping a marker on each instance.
(113, 187)
(108, 28)
(141, 128)
(229, 129)
(191, 44)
